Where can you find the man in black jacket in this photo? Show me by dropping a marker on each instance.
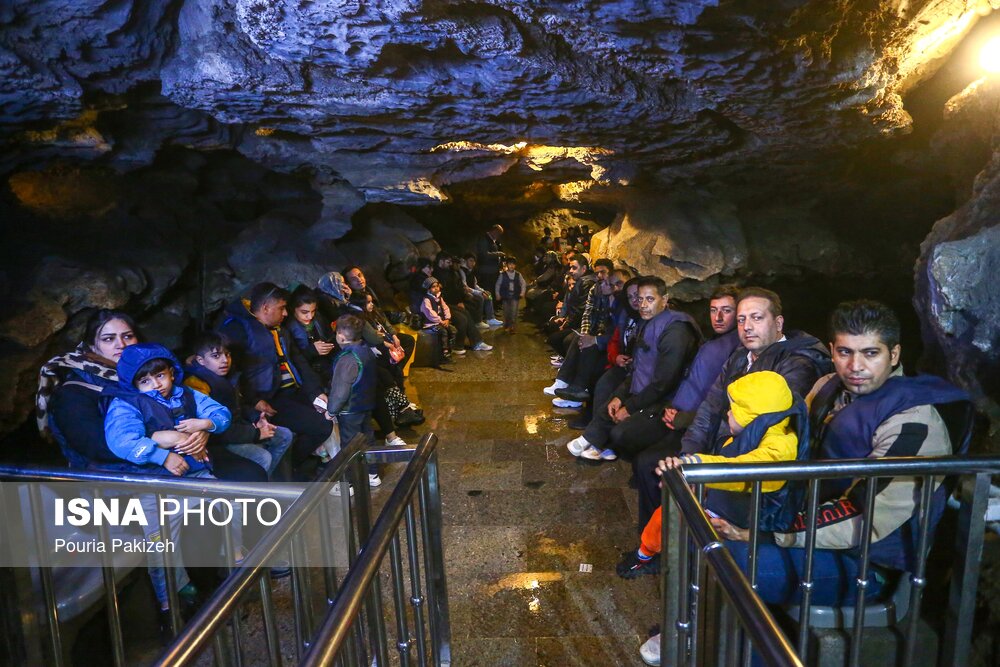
(764, 346)
(575, 301)
(488, 255)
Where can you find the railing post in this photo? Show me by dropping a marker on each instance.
(437, 585)
(671, 579)
(964, 581)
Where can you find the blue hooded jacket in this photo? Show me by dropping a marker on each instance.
(134, 416)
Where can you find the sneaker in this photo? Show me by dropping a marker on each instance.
(555, 357)
(555, 386)
(650, 651)
(394, 442)
(335, 491)
(563, 403)
(494, 322)
(374, 480)
(592, 453)
(482, 346)
(557, 363)
(482, 325)
(573, 393)
(630, 566)
(608, 455)
(409, 417)
(579, 422)
(459, 352)
(578, 445)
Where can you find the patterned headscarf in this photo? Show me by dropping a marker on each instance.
(55, 371)
(332, 285)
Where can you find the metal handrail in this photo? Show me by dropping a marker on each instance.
(767, 637)
(185, 486)
(706, 473)
(217, 610)
(687, 484)
(336, 626)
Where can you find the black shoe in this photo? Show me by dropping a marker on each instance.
(409, 417)
(631, 567)
(579, 423)
(573, 393)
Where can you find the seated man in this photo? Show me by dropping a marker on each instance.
(798, 357)
(630, 420)
(277, 380)
(584, 362)
(866, 409)
(573, 303)
(700, 376)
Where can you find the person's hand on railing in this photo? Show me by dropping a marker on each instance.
(728, 531)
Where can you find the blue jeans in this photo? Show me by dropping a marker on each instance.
(267, 454)
(779, 571)
(155, 561)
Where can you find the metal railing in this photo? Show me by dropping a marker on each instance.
(355, 631)
(31, 626)
(698, 544)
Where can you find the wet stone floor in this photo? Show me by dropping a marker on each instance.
(522, 515)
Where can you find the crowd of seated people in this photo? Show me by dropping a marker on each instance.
(649, 387)
(262, 396)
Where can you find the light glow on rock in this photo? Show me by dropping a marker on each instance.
(989, 56)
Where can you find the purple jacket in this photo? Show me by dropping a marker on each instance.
(703, 370)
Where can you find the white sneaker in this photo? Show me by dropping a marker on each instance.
(482, 325)
(374, 480)
(336, 490)
(578, 446)
(557, 363)
(482, 347)
(650, 651)
(494, 322)
(551, 389)
(608, 455)
(396, 441)
(566, 403)
(460, 353)
(592, 453)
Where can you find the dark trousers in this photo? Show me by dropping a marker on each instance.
(465, 327)
(296, 412)
(353, 424)
(233, 467)
(646, 479)
(606, 385)
(474, 307)
(641, 430)
(408, 343)
(559, 341)
(582, 368)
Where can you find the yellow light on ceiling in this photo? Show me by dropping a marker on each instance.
(989, 57)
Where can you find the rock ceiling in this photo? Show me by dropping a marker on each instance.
(402, 98)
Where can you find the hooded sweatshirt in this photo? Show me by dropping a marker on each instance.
(755, 394)
(126, 431)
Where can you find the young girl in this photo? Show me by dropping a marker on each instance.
(310, 331)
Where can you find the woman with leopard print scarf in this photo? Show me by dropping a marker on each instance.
(68, 403)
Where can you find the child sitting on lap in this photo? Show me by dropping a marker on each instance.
(761, 407)
(150, 415)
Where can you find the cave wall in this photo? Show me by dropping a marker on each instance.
(163, 155)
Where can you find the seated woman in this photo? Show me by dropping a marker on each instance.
(70, 405)
(311, 332)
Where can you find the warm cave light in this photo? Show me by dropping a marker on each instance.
(989, 57)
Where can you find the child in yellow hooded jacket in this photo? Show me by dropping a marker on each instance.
(759, 394)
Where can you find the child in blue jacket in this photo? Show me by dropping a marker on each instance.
(150, 415)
